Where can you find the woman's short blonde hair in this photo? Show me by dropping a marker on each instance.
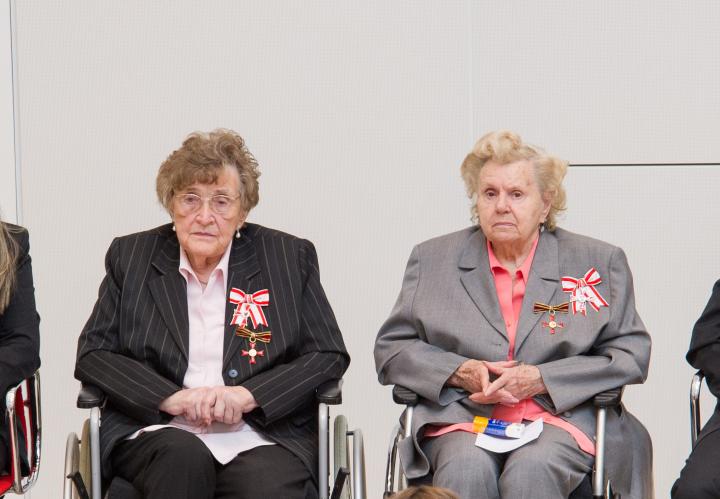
(505, 147)
(425, 492)
(201, 158)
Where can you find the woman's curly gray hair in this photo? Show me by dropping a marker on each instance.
(505, 147)
(201, 158)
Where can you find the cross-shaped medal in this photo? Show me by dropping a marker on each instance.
(552, 323)
(253, 352)
(253, 337)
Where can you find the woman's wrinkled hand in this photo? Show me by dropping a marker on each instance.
(195, 404)
(231, 402)
(522, 381)
(473, 376)
(201, 406)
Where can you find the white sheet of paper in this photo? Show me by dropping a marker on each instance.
(502, 445)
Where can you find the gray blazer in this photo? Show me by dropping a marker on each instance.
(448, 312)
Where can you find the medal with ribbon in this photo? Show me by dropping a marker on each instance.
(541, 308)
(582, 291)
(249, 305)
(253, 338)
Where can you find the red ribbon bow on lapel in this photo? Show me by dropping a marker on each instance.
(583, 291)
(249, 304)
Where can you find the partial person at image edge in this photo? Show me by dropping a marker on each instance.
(699, 479)
(19, 322)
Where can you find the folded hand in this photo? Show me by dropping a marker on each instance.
(473, 376)
(231, 403)
(521, 381)
(201, 406)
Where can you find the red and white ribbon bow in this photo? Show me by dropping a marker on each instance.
(249, 305)
(582, 291)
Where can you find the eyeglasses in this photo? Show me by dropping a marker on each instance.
(189, 203)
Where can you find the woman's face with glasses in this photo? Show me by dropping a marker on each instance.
(206, 217)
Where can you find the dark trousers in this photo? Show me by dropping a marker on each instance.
(699, 479)
(4, 457)
(174, 463)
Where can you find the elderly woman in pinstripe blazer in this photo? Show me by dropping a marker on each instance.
(209, 337)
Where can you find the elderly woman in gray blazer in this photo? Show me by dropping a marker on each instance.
(517, 319)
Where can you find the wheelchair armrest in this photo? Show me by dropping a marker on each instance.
(10, 394)
(90, 396)
(404, 396)
(609, 398)
(696, 386)
(329, 392)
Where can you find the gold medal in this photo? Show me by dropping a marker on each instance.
(253, 337)
(552, 324)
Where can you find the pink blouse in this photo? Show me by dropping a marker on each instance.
(510, 298)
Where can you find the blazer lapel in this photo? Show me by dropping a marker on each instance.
(170, 293)
(477, 279)
(243, 271)
(542, 285)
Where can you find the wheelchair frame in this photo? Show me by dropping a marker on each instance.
(327, 394)
(601, 488)
(695, 423)
(30, 399)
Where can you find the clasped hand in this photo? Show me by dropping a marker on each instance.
(513, 381)
(201, 406)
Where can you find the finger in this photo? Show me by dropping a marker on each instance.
(209, 401)
(497, 366)
(497, 398)
(219, 409)
(484, 378)
(505, 364)
(478, 398)
(198, 410)
(229, 416)
(190, 413)
(496, 385)
(494, 369)
(506, 397)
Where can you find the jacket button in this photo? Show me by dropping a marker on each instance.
(567, 414)
(233, 373)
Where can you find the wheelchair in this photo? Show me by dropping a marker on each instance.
(695, 423)
(22, 411)
(597, 488)
(83, 478)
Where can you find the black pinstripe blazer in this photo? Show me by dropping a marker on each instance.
(135, 344)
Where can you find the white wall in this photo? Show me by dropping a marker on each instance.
(360, 114)
(7, 136)
(663, 217)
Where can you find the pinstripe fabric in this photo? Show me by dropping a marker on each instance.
(135, 343)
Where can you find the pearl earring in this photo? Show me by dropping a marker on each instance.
(237, 233)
